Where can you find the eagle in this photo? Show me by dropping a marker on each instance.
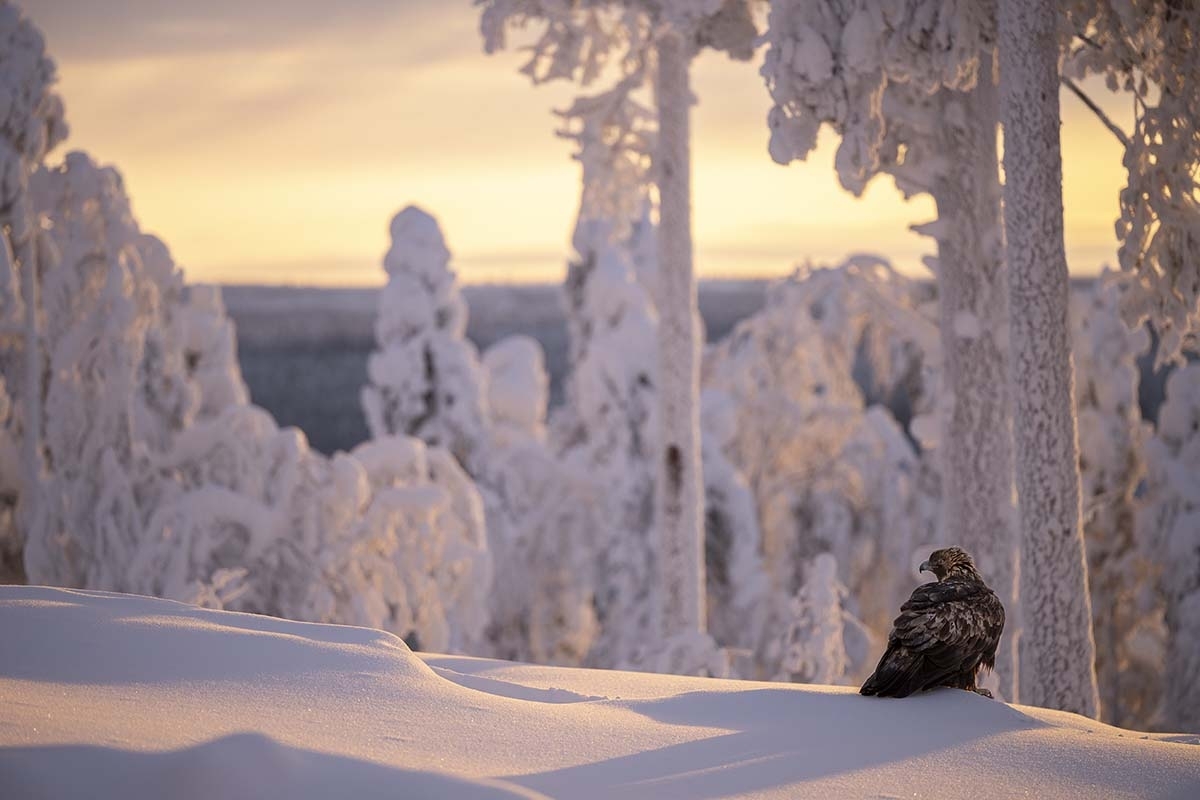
(945, 633)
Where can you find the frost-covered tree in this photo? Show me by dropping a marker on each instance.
(652, 40)
(823, 642)
(825, 476)
(1147, 48)
(210, 350)
(425, 379)
(1057, 648)
(607, 430)
(909, 88)
(31, 124)
(1121, 570)
(543, 520)
(1169, 524)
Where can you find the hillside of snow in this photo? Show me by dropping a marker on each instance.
(119, 696)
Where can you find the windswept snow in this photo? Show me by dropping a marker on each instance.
(118, 696)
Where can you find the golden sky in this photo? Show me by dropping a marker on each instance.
(272, 141)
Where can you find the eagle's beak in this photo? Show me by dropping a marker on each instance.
(925, 567)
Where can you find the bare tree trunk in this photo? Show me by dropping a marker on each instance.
(679, 493)
(1057, 649)
(976, 413)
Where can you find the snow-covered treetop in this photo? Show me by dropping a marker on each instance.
(830, 62)
(517, 385)
(418, 272)
(31, 115)
(583, 38)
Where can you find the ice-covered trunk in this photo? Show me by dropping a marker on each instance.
(976, 413)
(679, 497)
(1057, 650)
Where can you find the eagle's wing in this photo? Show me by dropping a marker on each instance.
(951, 623)
(946, 629)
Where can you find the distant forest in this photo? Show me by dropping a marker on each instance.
(303, 351)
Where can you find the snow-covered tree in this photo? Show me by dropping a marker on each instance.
(825, 476)
(1169, 525)
(210, 350)
(652, 40)
(1121, 570)
(543, 519)
(607, 430)
(1147, 48)
(1057, 648)
(425, 379)
(31, 124)
(823, 642)
(909, 88)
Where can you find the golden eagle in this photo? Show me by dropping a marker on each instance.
(945, 632)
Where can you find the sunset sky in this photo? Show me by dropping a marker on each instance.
(270, 141)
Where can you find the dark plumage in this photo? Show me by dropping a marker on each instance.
(945, 633)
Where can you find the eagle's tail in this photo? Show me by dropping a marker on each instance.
(896, 675)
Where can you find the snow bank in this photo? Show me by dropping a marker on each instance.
(117, 696)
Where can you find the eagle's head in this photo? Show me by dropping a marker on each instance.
(950, 561)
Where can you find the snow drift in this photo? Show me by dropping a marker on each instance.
(119, 696)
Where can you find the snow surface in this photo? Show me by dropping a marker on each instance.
(119, 696)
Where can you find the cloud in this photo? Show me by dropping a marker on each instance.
(124, 29)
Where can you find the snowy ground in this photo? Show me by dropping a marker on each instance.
(116, 696)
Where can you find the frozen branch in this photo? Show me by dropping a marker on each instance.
(1104, 118)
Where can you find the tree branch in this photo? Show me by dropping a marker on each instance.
(1087, 101)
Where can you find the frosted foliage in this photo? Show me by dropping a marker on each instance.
(544, 518)
(607, 430)
(518, 388)
(93, 224)
(615, 136)
(425, 378)
(819, 640)
(1148, 49)
(830, 63)
(578, 40)
(1121, 573)
(1169, 523)
(252, 520)
(828, 476)
(210, 350)
(31, 115)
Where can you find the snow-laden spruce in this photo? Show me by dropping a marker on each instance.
(539, 511)
(425, 377)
